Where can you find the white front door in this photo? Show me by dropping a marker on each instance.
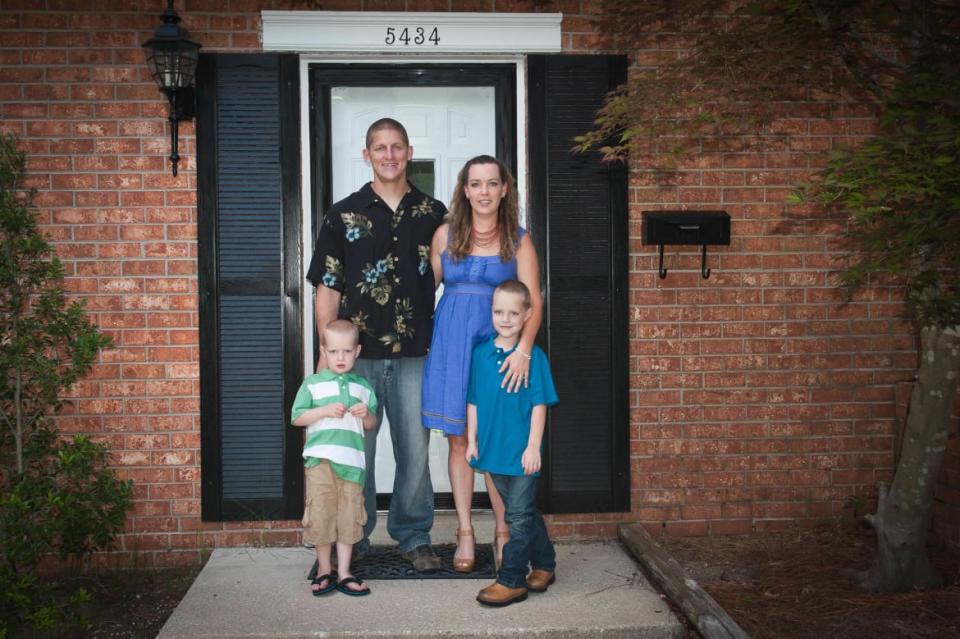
(447, 126)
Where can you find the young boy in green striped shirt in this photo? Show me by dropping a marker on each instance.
(336, 406)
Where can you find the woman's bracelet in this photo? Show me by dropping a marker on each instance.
(527, 355)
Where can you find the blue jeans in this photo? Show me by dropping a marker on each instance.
(529, 542)
(396, 383)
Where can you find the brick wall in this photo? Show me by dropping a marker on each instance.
(757, 401)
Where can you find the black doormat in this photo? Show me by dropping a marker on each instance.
(386, 562)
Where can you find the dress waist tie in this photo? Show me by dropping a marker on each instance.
(468, 288)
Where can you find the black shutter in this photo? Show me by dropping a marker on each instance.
(578, 220)
(249, 275)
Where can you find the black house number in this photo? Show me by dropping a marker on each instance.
(406, 36)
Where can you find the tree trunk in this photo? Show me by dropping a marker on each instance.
(903, 511)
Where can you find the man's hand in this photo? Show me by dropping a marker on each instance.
(322, 362)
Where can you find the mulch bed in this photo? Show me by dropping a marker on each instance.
(796, 584)
(131, 604)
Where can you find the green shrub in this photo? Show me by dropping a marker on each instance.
(58, 498)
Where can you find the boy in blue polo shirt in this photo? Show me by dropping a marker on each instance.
(504, 436)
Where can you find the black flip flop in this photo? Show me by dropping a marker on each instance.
(332, 584)
(342, 587)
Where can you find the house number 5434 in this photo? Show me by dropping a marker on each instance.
(412, 35)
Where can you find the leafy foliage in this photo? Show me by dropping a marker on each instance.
(48, 343)
(716, 75)
(901, 191)
(719, 76)
(58, 498)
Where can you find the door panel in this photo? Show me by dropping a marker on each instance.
(445, 125)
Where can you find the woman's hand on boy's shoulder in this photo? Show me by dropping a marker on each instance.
(516, 369)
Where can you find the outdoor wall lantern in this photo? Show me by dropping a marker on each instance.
(172, 57)
(690, 228)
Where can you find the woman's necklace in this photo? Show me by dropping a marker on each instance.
(484, 239)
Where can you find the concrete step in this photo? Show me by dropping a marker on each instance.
(262, 592)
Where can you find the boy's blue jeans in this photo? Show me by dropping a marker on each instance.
(397, 385)
(529, 542)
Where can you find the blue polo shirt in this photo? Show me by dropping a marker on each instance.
(503, 419)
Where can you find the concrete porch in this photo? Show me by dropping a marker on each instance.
(262, 592)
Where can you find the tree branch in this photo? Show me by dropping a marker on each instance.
(10, 424)
(874, 52)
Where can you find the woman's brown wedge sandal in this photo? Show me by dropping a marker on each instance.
(465, 564)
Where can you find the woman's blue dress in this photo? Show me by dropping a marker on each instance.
(462, 320)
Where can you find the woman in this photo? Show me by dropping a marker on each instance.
(480, 245)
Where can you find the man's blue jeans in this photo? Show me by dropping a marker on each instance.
(529, 542)
(397, 385)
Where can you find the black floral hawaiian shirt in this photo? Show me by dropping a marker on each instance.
(379, 261)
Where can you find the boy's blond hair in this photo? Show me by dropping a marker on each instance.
(344, 327)
(518, 287)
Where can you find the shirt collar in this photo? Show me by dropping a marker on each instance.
(368, 196)
(327, 375)
(496, 351)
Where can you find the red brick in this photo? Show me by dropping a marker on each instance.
(146, 406)
(96, 198)
(173, 422)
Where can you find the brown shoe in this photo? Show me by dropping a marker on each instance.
(496, 594)
(464, 564)
(423, 558)
(539, 580)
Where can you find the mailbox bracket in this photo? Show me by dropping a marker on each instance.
(686, 228)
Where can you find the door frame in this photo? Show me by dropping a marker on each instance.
(390, 65)
(316, 148)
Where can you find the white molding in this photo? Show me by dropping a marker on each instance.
(366, 32)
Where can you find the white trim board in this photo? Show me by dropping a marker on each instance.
(411, 33)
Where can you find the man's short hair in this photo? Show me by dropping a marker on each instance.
(345, 328)
(387, 123)
(518, 287)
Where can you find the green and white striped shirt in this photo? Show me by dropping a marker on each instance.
(337, 440)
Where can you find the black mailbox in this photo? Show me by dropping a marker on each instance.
(692, 228)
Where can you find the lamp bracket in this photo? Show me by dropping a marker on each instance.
(183, 103)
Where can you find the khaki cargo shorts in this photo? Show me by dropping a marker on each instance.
(334, 508)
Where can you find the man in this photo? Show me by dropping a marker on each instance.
(371, 265)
